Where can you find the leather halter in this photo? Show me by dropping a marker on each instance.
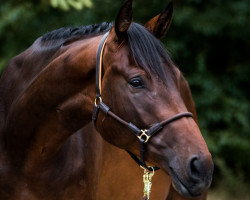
(142, 134)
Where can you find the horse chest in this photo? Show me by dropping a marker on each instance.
(65, 177)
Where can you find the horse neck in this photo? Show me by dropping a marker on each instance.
(56, 103)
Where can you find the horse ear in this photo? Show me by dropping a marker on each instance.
(159, 25)
(123, 20)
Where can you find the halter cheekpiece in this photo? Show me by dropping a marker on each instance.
(142, 134)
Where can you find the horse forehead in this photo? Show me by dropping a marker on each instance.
(121, 52)
(121, 60)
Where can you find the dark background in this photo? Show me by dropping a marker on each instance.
(208, 40)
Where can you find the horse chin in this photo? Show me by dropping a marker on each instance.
(182, 190)
(180, 187)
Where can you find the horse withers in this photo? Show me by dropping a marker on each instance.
(48, 147)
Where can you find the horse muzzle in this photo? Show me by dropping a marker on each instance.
(196, 179)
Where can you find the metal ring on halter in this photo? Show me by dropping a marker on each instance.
(96, 99)
(144, 137)
(145, 169)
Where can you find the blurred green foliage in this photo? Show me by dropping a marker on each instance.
(67, 4)
(208, 40)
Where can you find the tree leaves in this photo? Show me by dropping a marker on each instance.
(67, 4)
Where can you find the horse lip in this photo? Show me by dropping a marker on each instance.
(180, 187)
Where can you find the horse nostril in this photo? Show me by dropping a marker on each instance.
(195, 169)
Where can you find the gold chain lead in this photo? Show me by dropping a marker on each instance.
(147, 180)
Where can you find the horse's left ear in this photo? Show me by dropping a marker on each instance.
(159, 25)
(123, 20)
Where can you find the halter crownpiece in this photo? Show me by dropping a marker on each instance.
(99, 56)
(142, 134)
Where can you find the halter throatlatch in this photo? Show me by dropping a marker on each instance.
(142, 134)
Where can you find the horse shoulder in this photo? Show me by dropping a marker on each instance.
(45, 93)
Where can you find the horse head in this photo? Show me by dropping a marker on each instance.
(141, 85)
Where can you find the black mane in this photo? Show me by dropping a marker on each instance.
(147, 51)
(66, 33)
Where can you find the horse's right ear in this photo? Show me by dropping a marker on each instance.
(159, 25)
(123, 20)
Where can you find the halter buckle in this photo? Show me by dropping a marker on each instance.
(144, 137)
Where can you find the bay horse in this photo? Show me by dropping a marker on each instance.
(51, 141)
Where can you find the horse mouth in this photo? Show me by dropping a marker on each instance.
(180, 187)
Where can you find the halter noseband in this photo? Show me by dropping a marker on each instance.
(142, 134)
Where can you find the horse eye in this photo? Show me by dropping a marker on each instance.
(137, 83)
